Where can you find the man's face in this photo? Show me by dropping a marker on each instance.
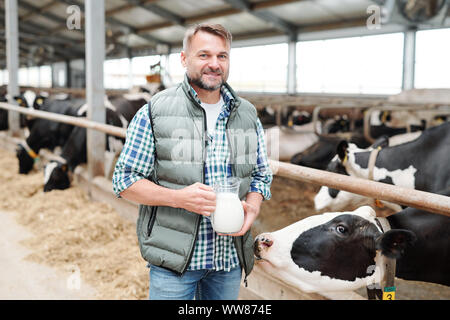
(207, 61)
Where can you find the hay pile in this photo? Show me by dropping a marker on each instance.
(70, 230)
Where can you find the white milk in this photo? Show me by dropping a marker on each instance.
(229, 214)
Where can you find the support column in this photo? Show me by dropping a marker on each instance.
(409, 59)
(68, 74)
(292, 65)
(12, 62)
(130, 68)
(95, 92)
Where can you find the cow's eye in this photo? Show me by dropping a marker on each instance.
(341, 229)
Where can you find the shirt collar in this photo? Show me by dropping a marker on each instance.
(227, 96)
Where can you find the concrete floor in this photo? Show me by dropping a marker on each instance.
(22, 279)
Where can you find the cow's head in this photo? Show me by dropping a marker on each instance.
(26, 161)
(29, 100)
(56, 176)
(345, 163)
(335, 251)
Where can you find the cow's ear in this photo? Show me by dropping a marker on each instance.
(385, 116)
(19, 100)
(342, 150)
(39, 101)
(394, 242)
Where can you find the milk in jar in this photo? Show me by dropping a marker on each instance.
(229, 214)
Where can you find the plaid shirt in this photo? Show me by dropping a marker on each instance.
(137, 161)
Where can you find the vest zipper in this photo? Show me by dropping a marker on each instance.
(203, 181)
(233, 172)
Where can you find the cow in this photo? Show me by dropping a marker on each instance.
(284, 143)
(289, 117)
(46, 133)
(322, 152)
(119, 112)
(420, 164)
(342, 251)
(25, 100)
(319, 154)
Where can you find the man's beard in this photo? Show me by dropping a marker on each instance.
(201, 84)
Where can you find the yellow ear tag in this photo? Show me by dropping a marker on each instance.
(345, 159)
(39, 101)
(389, 293)
(32, 154)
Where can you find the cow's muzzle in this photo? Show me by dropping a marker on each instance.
(261, 244)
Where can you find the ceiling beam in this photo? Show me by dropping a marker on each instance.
(116, 22)
(164, 13)
(27, 47)
(358, 22)
(40, 10)
(277, 22)
(37, 10)
(41, 33)
(217, 14)
(271, 3)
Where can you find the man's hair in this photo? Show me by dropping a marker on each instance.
(215, 29)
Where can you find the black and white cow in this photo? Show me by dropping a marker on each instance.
(340, 251)
(119, 112)
(25, 100)
(286, 143)
(322, 152)
(420, 164)
(290, 116)
(45, 133)
(319, 155)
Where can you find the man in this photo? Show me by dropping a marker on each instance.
(186, 139)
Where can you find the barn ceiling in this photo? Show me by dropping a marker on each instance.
(138, 27)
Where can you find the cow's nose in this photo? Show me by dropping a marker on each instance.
(262, 242)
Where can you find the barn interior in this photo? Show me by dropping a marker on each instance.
(315, 70)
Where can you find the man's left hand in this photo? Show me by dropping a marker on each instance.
(251, 211)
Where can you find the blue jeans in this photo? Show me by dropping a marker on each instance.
(201, 284)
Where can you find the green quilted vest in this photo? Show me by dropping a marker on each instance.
(167, 235)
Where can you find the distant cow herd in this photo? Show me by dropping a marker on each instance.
(71, 140)
(330, 251)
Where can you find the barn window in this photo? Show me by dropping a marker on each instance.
(259, 68)
(432, 65)
(356, 65)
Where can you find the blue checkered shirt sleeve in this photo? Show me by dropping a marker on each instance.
(137, 158)
(262, 174)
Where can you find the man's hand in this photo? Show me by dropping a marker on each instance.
(198, 198)
(251, 210)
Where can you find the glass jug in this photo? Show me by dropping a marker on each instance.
(229, 214)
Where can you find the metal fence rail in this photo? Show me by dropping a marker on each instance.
(414, 198)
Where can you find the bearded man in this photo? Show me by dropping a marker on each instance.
(186, 139)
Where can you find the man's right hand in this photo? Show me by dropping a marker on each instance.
(198, 198)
